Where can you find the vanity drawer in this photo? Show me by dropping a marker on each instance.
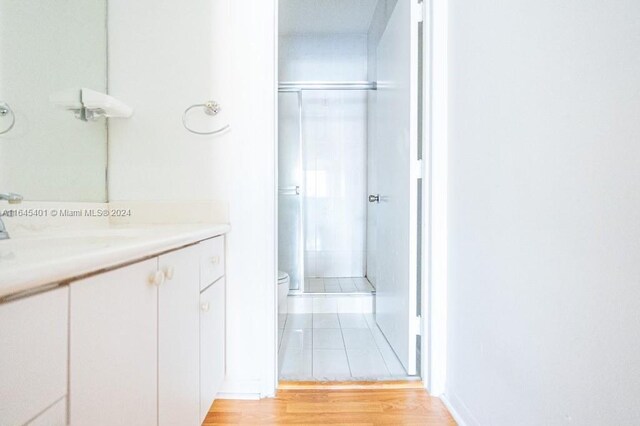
(211, 261)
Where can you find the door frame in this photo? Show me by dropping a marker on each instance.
(433, 359)
(435, 188)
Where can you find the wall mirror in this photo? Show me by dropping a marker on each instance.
(52, 149)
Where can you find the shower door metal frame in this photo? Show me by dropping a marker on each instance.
(298, 191)
(299, 87)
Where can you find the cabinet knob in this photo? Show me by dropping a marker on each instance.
(168, 272)
(215, 260)
(157, 278)
(204, 307)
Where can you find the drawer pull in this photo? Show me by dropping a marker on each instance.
(215, 260)
(169, 272)
(157, 278)
(204, 307)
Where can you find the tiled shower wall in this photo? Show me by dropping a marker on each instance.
(334, 151)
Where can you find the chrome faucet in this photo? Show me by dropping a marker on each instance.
(12, 199)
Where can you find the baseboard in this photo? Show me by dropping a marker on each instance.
(238, 396)
(240, 389)
(355, 385)
(459, 411)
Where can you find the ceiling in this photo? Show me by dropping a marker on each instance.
(325, 16)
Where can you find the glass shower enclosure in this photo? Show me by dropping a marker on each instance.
(330, 186)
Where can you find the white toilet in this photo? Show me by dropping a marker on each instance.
(283, 291)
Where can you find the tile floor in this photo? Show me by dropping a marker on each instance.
(335, 347)
(338, 285)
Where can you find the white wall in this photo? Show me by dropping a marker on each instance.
(333, 150)
(252, 245)
(381, 15)
(165, 56)
(323, 57)
(544, 260)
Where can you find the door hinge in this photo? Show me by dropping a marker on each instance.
(419, 10)
(417, 325)
(418, 169)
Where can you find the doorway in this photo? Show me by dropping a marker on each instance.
(349, 190)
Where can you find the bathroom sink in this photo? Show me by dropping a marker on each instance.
(84, 235)
(48, 244)
(36, 246)
(42, 255)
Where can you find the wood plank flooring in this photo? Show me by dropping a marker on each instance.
(349, 403)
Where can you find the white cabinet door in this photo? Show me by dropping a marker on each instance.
(178, 334)
(113, 348)
(56, 415)
(33, 355)
(212, 344)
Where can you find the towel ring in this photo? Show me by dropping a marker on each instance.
(5, 109)
(211, 108)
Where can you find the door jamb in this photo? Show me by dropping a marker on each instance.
(434, 235)
(435, 116)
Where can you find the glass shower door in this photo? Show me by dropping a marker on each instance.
(290, 200)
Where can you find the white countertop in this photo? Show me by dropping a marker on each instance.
(29, 262)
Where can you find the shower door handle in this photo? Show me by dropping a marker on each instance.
(374, 198)
(291, 190)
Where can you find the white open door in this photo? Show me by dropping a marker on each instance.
(397, 168)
